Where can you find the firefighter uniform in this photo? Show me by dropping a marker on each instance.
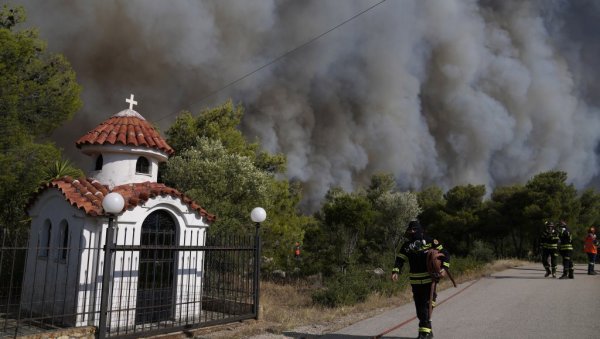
(414, 251)
(549, 243)
(565, 248)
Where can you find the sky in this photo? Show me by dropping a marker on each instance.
(436, 92)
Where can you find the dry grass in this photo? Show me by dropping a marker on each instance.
(286, 307)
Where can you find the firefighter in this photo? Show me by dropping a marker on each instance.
(565, 248)
(549, 244)
(590, 247)
(414, 251)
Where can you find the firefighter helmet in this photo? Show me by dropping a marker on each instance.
(414, 230)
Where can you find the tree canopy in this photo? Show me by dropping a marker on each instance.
(222, 123)
(229, 176)
(38, 92)
(359, 228)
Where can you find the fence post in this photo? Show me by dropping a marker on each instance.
(108, 249)
(258, 215)
(257, 270)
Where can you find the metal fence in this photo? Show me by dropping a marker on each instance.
(158, 287)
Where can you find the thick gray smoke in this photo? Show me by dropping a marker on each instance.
(437, 92)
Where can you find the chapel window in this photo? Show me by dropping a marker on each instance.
(44, 239)
(142, 166)
(63, 249)
(99, 163)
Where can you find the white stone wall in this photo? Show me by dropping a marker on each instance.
(50, 278)
(119, 164)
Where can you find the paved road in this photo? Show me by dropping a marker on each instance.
(515, 303)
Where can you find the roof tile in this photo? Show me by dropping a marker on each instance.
(87, 194)
(125, 128)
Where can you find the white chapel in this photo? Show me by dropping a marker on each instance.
(64, 266)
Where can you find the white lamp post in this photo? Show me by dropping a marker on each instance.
(113, 204)
(257, 215)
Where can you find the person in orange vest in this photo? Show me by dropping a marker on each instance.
(297, 250)
(590, 247)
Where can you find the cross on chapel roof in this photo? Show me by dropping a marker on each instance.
(131, 102)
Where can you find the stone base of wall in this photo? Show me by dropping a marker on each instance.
(87, 332)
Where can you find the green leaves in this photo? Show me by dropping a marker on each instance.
(9, 17)
(218, 179)
(21, 173)
(38, 92)
(360, 228)
(60, 169)
(227, 175)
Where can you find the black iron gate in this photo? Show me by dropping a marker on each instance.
(155, 286)
(158, 286)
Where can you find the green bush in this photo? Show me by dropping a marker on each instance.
(343, 289)
(355, 286)
(459, 265)
(482, 252)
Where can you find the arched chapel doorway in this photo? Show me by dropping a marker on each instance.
(156, 269)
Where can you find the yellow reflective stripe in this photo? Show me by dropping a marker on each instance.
(440, 247)
(396, 270)
(420, 282)
(418, 275)
(424, 330)
(446, 264)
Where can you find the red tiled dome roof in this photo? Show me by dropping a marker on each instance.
(87, 194)
(127, 127)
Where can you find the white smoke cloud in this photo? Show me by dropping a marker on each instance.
(436, 92)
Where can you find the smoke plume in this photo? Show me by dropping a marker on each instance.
(436, 92)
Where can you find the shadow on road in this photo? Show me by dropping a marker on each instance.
(297, 335)
(514, 277)
(541, 269)
(578, 271)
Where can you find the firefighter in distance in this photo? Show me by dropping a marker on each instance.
(565, 249)
(549, 243)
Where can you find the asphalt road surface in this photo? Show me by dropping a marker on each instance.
(515, 303)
